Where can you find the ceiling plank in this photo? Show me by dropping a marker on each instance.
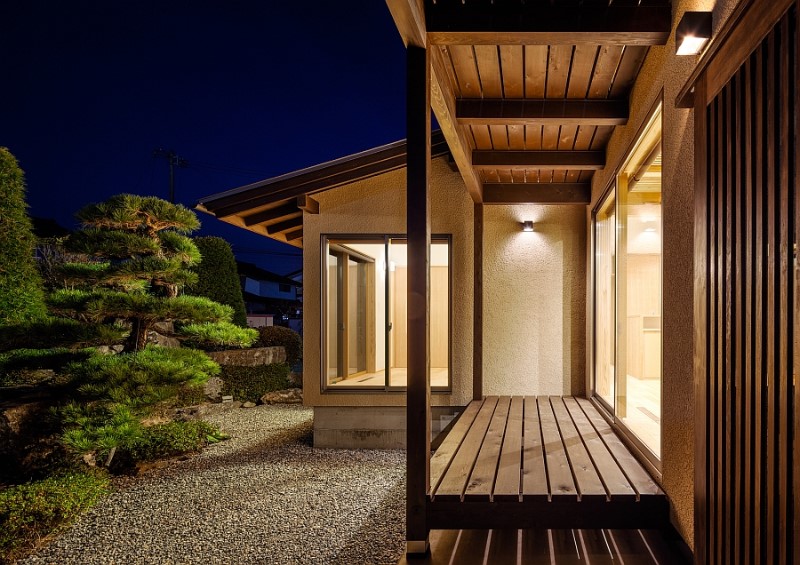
(556, 160)
(534, 112)
(265, 216)
(537, 193)
(285, 225)
(516, 23)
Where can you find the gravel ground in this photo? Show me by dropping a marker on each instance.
(263, 496)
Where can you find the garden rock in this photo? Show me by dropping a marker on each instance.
(162, 340)
(249, 405)
(288, 396)
(249, 357)
(213, 388)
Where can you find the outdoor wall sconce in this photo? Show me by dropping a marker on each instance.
(527, 225)
(693, 32)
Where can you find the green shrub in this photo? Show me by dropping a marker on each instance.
(98, 428)
(21, 288)
(271, 336)
(173, 438)
(219, 336)
(59, 332)
(31, 511)
(249, 384)
(30, 366)
(217, 276)
(139, 380)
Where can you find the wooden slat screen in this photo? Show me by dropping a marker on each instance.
(749, 507)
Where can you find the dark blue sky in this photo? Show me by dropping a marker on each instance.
(242, 89)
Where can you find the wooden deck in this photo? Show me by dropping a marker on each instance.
(539, 462)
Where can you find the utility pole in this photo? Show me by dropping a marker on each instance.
(174, 160)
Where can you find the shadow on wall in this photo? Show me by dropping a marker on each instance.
(535, 300)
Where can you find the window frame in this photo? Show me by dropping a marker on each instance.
(385, 238)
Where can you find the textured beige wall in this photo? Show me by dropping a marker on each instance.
(534, 300)
(664, 72)
(378, 206)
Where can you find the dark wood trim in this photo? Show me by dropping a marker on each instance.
(534, 112)
(537, 193)
(742, 32)
(550, 160)
(418, 221)
(294, 235)
(477, 307)
(308, 204)
(285, 225)
(271, 214)
(518, 23)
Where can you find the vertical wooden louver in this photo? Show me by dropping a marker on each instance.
(746, 292)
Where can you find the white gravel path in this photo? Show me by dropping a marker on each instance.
(263, 496)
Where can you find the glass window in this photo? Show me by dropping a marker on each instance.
(627, 335)
(365, 326)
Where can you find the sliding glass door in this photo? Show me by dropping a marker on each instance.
(365, 311)
(627, 292)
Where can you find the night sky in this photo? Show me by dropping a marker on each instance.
(242, 89)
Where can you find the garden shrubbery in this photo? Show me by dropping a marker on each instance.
(271, 336)
(172, 438)
(31, 511)
(249, 384)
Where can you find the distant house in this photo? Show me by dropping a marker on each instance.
(270, 299)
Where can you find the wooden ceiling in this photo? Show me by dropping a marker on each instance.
(528, 92)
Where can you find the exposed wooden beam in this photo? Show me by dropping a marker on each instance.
(443, 102)
(264, 216)
(518, 23)
(308, 204)
(477, 304)
(537, 193)
(550, 160)
(530, 112)
(293, 235)
(409, 19)
(285, 225)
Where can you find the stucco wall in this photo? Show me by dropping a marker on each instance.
(534, 300)
(378, 206)
(664, 72)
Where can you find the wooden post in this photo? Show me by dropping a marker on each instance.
(418, 435)
(477, 327)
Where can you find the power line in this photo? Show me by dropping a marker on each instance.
(174, 161)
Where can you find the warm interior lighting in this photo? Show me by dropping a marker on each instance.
(527, 225)
(693, 32)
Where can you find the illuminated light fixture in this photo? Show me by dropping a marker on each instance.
(650, 230)
(693, 32)
(527, 225)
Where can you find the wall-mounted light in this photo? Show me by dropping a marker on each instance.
(693, 32)
(527, 225)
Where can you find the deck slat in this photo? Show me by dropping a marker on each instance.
(507, 485)
(454, 481)
(612, 476)
(639, 478)
(586, 476)
(483, 475)
(534, 475)
(559, 474)
(440, 460)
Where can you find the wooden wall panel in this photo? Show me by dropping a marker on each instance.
(746, 301)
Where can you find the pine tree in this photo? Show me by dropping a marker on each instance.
(21, 295)
(139, 260)
(217, 277)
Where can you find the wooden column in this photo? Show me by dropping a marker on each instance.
(418, 126)
(477, 327)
